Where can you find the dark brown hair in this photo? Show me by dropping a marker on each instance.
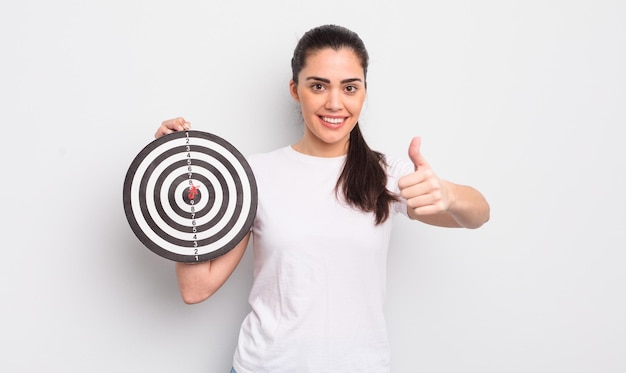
(363, 179)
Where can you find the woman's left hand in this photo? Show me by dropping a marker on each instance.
(440, 202)
(425, 193)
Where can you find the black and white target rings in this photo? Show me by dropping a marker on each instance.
(190, 196)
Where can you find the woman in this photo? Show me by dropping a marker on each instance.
(323, 224)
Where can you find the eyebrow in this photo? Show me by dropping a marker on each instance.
(327, 81)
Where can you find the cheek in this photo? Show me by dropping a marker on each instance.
(356, 107)
(308, 104)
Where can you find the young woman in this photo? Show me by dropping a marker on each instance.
(323, 222)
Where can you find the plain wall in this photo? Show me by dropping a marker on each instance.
(525, 100)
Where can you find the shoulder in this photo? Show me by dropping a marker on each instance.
(265, 157)
(398, 167)
(266, 162)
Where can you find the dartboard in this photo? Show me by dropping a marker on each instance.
(190, 196)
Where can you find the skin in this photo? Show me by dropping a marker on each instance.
(331, 93)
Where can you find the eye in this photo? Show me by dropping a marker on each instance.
(351, 89)
(317, 86)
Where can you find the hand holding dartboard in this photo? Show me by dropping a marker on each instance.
(190, 196)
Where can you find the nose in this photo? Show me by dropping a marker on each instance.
(333, 100)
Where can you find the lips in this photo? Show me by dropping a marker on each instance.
(331, 122)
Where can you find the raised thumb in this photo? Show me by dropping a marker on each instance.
(414, 152)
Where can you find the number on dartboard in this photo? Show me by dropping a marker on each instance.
(192, 194)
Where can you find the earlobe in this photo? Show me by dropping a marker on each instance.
(293, 90)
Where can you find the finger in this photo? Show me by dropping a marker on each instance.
(430, 209)
(183, 125)
(177, 124)
(162, 131)
(415, 153)
(172, 125)
(413, 190)
(410, 180)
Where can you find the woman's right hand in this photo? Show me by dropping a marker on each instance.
(172, 125)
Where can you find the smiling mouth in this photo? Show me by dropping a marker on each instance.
(333, 120)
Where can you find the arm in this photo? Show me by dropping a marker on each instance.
(434, 201)
(197, 282)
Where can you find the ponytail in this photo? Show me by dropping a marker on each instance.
(363, 179)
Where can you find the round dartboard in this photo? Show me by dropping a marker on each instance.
(190, 196)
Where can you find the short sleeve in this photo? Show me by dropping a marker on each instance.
(396, 168)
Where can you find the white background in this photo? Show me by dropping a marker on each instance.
(524, 100)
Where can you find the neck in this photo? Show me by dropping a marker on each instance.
(317, 148)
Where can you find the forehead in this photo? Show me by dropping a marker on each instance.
(329, 63)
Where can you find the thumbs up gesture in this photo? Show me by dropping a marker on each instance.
(425, 193)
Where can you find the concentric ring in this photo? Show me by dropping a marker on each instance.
(190, 196)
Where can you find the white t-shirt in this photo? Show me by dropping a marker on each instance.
(319, 272)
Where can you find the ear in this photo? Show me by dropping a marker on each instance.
(293, 90)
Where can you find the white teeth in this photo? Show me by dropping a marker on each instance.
(333, 120)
